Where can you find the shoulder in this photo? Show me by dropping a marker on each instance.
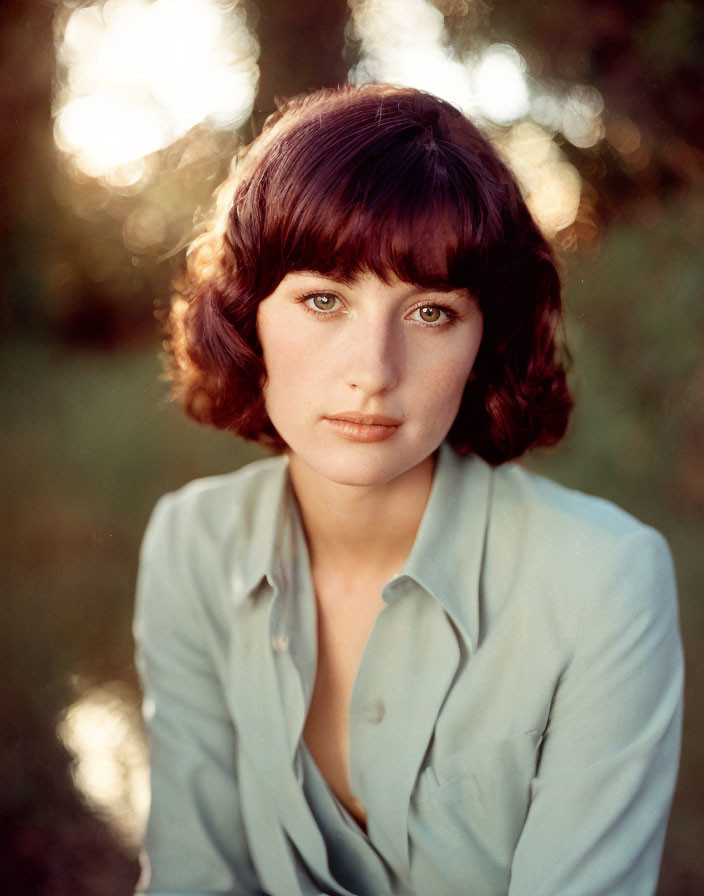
(540, 501)
(198, 552)
(568, 555)
(558, 522)
(206, 541)
(215, 507)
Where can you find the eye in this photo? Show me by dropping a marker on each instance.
(323, 302)
(432, 314)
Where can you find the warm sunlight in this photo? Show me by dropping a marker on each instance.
(499, 84)
(103, 731)
(551, 186)
(139, 75)
(407, 42)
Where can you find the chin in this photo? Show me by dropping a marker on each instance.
(354, 474)
(361, 479)
(365, 467)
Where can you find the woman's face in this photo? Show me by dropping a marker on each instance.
(364, 378)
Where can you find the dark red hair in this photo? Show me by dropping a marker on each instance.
(392, 181)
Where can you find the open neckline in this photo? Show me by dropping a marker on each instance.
(349, 819)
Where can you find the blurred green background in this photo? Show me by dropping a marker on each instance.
(610, 95)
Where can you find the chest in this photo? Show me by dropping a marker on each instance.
(344, 628)
(440, 766)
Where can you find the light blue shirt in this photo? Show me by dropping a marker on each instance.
(515, 721)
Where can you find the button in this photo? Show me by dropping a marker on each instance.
(280, 643)
(374, 712)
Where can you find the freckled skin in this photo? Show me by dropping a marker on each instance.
(369, 348)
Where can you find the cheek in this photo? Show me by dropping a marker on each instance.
(443, 380)
(463, 362)
(294, 381)
(288, 351)
(279, 360)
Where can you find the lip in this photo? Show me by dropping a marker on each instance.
(364, 427)
(366, 419)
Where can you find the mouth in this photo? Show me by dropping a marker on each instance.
(364, 427)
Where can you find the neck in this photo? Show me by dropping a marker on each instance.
(361, 528)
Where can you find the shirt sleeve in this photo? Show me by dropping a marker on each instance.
(195, 841)
(601, 796)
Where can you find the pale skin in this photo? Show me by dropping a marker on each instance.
(364, 380)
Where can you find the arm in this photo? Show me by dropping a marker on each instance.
(602, 793)
(195, 840)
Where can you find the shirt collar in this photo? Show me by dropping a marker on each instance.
(271, 507)
(446, 557)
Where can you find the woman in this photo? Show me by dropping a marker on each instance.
(384, 661)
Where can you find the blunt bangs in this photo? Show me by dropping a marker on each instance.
(385, 190)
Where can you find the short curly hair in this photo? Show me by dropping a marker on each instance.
(384, 180)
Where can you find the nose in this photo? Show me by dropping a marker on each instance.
(375, 357)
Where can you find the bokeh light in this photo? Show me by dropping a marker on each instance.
(551, 185)
(406, 42)
(499, 83)
(135, 76)
(103, 731)
(581, 116)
